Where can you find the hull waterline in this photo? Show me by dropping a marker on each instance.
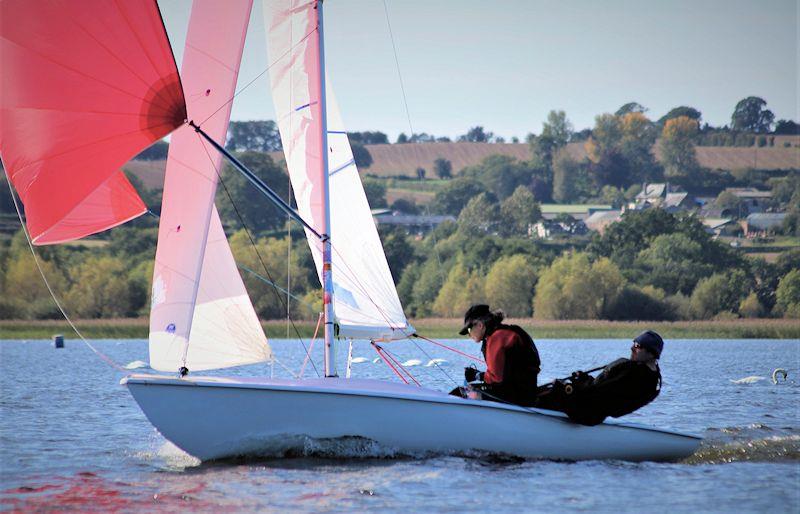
(213, 418)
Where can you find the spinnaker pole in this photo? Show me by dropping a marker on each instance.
(327, 268)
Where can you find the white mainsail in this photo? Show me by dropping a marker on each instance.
(198, 298)
(365, 299)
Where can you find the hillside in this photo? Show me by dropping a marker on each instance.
(403, 159)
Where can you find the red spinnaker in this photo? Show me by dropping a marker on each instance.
(85, 86)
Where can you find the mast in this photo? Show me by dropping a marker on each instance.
(327, 268)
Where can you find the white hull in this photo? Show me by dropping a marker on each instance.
(212, 418)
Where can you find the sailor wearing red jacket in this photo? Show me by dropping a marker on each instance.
(512, 360)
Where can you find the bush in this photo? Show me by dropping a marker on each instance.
(572, 288)
(717, 293)
(751, 307)
(509, 285)
(635, 304)
(788, 295)
(11, 309)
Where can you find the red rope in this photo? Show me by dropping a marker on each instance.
(313, 339)
(476, 359)
(402, 368)
(384, 358)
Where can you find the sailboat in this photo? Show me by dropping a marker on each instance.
(79, 99)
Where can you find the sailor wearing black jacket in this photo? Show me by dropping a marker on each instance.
(623, 386)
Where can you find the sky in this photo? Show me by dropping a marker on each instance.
(504, 64)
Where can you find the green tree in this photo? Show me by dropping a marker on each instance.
(25, 293)
(402, 138)
(267, 262)
(719, 293)
(476, 135)
(788, 295)
(574, 288)
(629, 108)
(6, 202)
(236, 196)
(155, 152)
(623, 241)
(509, 285)
(677, 112)
(603, 148)
(571, 180)
(460, 290)
(375, 189)
(101, 289)
(255, 136)
(405, 206)
(673, 263)
(556, 133)
(451, 198)
(518, 212)
(427, 287)
(638, 304)
(677, 149)
(399, 253)
(636, 146)
(751, 115)
(789, 127)
(500, 174)
(361, 156)
(751, 307)
(368, 138)
(479, 215)
(613, 196)
(443, 168)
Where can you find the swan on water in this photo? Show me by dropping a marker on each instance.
(779, 371)
(434, 362)
(749, 380)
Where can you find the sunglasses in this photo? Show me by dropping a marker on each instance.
(470, 327)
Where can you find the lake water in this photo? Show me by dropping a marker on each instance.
(72, 438)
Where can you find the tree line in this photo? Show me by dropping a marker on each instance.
(652, 265)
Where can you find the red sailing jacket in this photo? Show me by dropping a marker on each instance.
(512, 361)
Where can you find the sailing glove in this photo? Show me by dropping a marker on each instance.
(472, 374)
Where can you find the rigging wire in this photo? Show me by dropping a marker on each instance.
(97, 352)
(253, 243)
(476, 359)
(276, 61)
(397, 64)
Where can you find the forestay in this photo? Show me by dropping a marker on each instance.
(201, 315)
(365, 299)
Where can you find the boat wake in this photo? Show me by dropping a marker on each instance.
(753, 443)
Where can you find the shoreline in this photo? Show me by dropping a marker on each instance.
(441, 328)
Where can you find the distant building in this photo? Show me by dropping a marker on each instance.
(665, 197)
(551, 211)
(721, 226)
(547, 229)
(598, 221)
(754, 200)
(412, 223)
(764, 223)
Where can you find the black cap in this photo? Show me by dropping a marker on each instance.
(651, 341)
(475, 313)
